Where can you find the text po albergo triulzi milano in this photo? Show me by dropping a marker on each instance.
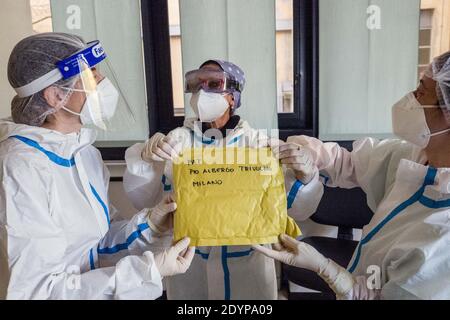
(224, 170)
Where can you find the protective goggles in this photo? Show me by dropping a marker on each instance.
(210, 81)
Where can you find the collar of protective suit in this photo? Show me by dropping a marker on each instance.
(414, 174)
(64, 145)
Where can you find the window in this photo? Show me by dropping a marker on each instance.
(296, 39)
(285, 56)
(425, 33)
(176, 60)
(434, 32)
(297, 66)
(162, 54)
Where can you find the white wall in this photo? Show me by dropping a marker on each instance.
(15, 24)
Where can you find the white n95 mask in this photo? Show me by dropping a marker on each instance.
(209, 106)
(99, 106)
(409, 122)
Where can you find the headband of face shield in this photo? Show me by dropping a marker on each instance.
(213, 81)
(101, 99)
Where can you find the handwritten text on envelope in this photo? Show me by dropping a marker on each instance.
(230, 196)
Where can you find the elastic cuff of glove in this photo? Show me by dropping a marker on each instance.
(344, 283)
(153, 227)
(315, 175)
(309, 178)
(341, 283)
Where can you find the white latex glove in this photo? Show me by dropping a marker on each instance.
(160, 218)
(160, 148)
(296, 157)
(302, 255)
(175, 260)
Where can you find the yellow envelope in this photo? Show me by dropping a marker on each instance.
(230, 196)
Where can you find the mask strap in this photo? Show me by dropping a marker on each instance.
(72, 112)
(77, 90)
(65, 100)
(425, 107)
(440, 132)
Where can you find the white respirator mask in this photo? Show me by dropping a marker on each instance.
(99, 106)
(209, 106)
(409, 122)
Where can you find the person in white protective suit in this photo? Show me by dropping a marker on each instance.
(404, 251)
(227, 272)
(58, 238)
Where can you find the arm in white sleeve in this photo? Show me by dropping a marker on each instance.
(331, 159)
(417, 268)
(370, 165)
(143, 181)
(127, 237)
(303, 200)
(37, 251)
(414, 268)
(130, 237)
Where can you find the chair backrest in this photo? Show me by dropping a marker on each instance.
(343, 208)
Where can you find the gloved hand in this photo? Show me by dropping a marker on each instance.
(296, 157)
(302, 255)
(160, 148)
(175, 260)
(160, 218)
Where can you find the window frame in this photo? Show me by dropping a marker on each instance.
(304, 119)
(158, 73)
(158, 67)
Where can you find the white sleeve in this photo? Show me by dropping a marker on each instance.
(421, 269)
(330, 158)
(129, 237)
(415, 271)
(366, 166)
(143, 182)
(303, 200)
(36, 250)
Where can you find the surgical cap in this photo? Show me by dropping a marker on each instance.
(236, 74)
(441, 74)
(32, 58)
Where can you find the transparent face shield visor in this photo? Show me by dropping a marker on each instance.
(105, 105)
(210, 81)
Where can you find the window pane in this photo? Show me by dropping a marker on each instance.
(426, 18)
(424, 56)
(41, 16)
(434, 38)
(175, 55)
(285, 56)
(425, 37)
